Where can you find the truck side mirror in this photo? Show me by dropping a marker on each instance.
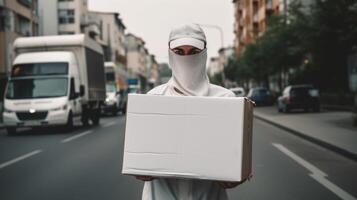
(81, 90)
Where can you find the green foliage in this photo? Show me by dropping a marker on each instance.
(325, 34)
(216, 79)
(333, 36)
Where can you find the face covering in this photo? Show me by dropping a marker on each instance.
(189, 75)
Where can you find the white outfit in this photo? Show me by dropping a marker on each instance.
(189, 78)
(185, 189)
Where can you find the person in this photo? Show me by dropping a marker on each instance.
(187, 60)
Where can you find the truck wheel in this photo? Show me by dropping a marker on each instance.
(96, 117)
(11, 130)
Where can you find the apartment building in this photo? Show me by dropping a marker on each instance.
(140, 63)
(214, 66)
(136, 55)
(18, 18)
(250, 20)
(60, 17)
(112, 37)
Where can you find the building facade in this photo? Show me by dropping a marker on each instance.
(136, 55)
(250, 20)
(217, 64)
(62, 17)
(112, 37)
(140, 63)
(153, 68)
(18, 18)
(213, 66)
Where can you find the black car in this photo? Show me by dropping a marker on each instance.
(299, 97)
(261, 96)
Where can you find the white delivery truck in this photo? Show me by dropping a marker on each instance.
(116, 88)
(112, 99)
(54, 81)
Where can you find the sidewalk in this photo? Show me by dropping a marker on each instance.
(332, 130)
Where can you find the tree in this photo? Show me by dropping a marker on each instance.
(273, 53)
(332, 37)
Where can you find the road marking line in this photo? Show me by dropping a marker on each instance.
(13, 161)
(76, 136)
(316, 173)
(299, 160)
(109, 124)
(332, 187)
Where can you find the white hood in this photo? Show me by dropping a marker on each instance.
(189, 74)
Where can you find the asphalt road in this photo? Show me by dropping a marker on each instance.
(86, 164)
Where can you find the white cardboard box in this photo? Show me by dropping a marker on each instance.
(188, 137)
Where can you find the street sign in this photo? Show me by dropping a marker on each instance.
(133, 81)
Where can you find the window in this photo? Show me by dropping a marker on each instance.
(38, 69)
(22, 25)
(30, 88)
(2, 19)
(66, 16)
(26, 3)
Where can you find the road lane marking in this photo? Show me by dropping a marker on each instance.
(332, 187)
(76, 136)
(109, 124)
(316, 173)
(299, 160)
(13, 161)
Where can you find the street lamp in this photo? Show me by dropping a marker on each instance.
(216, 28)
(220, 30)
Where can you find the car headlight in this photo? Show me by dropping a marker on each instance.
(60, 108)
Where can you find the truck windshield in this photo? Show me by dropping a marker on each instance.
(31, 88)
(110, 88)
(35, 69)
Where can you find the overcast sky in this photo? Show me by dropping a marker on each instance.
(152, 20)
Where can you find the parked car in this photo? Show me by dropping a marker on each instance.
(299, 97)
(238, 91)
(261, 96)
